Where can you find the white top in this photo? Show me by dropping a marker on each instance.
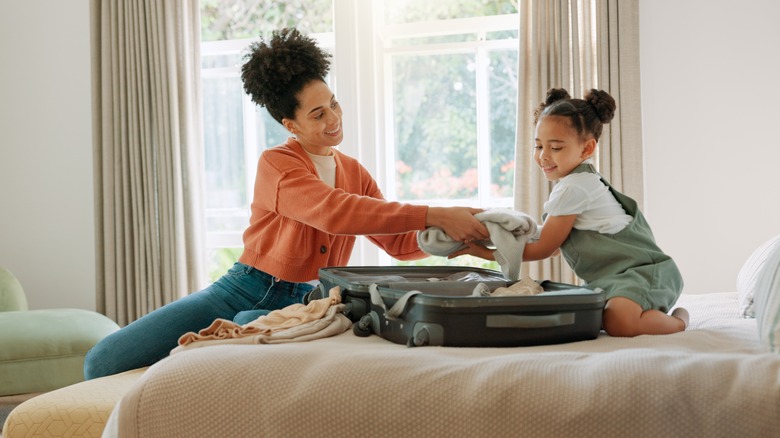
(326, 167)
(586, 196)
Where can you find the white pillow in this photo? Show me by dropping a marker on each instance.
(756, 273)
(758, 284)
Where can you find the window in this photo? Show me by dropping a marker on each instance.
(432, 114)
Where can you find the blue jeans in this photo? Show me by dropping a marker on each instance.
(241, 295)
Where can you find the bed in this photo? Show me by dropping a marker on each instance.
(721, 377)
(715, 379)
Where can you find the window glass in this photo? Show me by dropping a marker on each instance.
(501, 35)
(223, 138)
(502, 83)
(410, 11)
(434, 108)
(220, 61)
(454, 38)
(231, 19)
(438, 39)
(269, 132)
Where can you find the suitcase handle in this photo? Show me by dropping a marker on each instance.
(398, 308)
(529, 321)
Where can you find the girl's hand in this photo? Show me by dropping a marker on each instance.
(474, 249)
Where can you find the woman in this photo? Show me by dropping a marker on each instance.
(310, 201)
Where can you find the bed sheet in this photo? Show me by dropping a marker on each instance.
(711, 380)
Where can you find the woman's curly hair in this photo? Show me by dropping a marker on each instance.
(275, 71)
(586, 115)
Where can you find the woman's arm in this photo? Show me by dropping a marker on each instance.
(288, 187)
(454, 221)
(399, 246)
(457, 222)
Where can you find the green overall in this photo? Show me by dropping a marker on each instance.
(625, 264)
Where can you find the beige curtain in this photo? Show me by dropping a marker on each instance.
(578, 45)
(147, 153)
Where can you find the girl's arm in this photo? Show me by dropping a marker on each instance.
(555, 230)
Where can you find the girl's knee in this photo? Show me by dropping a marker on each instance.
(616, 323)
(621, 317)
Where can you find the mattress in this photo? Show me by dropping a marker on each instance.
(78, 410)
(712, 380)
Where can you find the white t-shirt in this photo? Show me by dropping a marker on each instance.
(326, 167)
(586, 196)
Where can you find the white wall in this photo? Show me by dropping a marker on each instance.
(711, 112)
(46, 189)
(710, 93)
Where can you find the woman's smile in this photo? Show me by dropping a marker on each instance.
(334, 132)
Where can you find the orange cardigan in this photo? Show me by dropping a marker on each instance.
(300, 224)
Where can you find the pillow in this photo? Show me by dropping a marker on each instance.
(756, 273)
(758, 283)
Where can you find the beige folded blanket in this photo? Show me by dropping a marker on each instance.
(294, 323)
(526, 286)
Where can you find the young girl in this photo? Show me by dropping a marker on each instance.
(310, 201)
(600, 232)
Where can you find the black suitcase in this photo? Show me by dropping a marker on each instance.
(434, 305)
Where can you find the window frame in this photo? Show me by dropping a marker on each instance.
(481, 49)
(361, 44)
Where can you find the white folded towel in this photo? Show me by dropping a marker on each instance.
(509, 231)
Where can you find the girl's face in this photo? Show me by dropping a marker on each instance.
(558, 148)
(317, 123)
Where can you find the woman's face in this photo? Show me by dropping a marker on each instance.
(558, 149)
(317, 123)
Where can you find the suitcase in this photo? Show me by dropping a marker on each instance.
(434, 306)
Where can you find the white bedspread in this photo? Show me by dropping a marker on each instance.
(712, 380)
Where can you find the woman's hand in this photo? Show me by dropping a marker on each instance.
(457, 222)
(474, 249)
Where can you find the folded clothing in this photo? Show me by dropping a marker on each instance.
(294, 323)
(526, 286)
(509, 232)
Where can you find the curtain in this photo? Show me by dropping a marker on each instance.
(578, 45)
(147, 153)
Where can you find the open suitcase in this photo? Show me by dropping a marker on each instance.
(434, 305)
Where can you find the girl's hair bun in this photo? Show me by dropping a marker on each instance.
(556, 94)
(553, 95)
(603, 104)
